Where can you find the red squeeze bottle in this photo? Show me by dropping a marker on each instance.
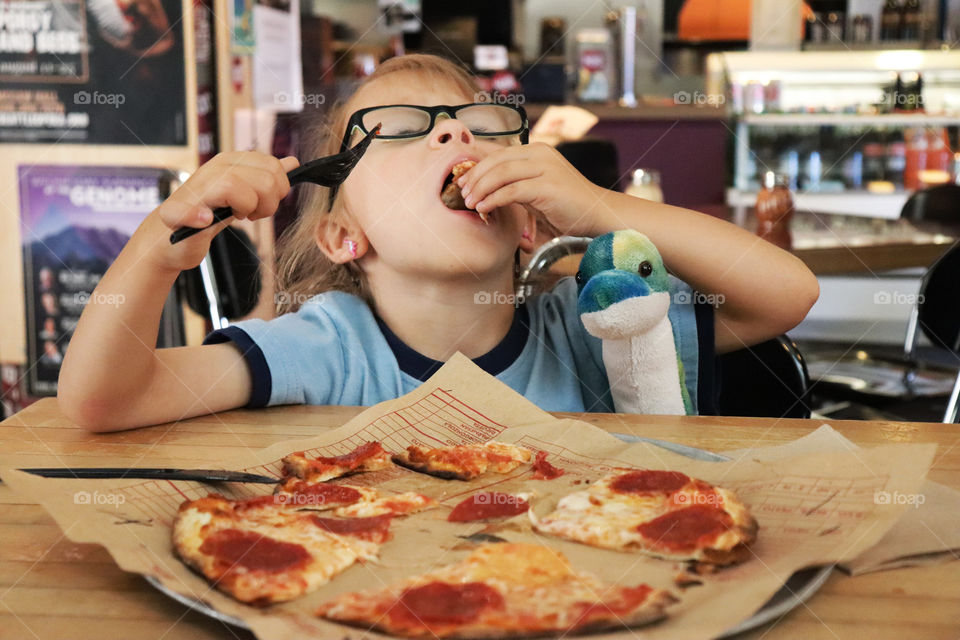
(774, 210)
(938, 150)
(916, 159)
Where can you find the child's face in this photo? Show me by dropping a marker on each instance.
(394, 192)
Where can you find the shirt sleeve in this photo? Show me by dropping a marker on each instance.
(296, 358)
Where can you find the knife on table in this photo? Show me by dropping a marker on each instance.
(197, 475)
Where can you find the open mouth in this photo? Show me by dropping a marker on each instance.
(450, 191)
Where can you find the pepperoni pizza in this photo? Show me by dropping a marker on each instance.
(369, 456)
(500, 591)
(665, 514)
(465, 461)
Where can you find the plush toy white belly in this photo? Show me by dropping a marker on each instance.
(639, 354)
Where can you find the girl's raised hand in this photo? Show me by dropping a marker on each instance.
(537, 176)
(250, 183)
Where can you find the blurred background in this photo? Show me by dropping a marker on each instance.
(827, 127)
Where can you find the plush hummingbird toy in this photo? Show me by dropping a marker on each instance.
(624, 296)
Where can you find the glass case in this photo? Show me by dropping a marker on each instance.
(854, 131)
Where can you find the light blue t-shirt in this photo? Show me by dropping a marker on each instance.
(333, 351)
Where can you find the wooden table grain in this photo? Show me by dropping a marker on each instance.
(51, 588)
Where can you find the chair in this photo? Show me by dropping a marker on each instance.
(872, 379)
(595, 158)
(227, 282)
(937, 315)
(939, 204)
(767, 380)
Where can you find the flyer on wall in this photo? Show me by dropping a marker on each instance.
(93, 72)
(73, 223)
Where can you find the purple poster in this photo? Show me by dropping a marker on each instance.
(73, 223)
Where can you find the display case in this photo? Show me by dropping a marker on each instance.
(854, 131)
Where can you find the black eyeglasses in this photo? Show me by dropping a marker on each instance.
(407, 121)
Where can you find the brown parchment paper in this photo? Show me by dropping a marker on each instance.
(814, 507)
(927, 533)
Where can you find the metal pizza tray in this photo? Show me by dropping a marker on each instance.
(795, 591)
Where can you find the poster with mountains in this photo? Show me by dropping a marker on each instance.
(73, 223)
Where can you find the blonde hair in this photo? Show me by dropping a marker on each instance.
(302, 268)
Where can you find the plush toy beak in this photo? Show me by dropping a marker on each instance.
(609, 287)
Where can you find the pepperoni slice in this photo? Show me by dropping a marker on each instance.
(440, 602)
(488, 504)
(319, 493)
(687, 529)
(375, 529)
(543, 470)
(649, 481)
(237, 548)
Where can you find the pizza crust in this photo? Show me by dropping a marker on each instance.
(464, 462)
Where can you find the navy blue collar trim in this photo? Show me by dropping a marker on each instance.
(494, 362)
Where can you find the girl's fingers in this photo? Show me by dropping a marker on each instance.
(506, 154)
(515, 192)
(499, 176)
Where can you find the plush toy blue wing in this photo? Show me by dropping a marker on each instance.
(624, 297)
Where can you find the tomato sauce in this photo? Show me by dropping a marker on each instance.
(234, 547)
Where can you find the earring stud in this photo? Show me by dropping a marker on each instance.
(351, 246)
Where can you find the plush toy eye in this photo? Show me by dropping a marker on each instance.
(578, 278)
(645, 269)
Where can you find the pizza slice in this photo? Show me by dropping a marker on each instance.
(500, 591)
(261, 552)
(349, 501)
(369, 456)
(665, 514)
(465, 461)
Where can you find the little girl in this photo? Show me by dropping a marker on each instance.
(381, 282)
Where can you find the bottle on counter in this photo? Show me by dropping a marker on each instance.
(890, 20)
(774, 210)
(836, 26)
(596, 76)
(910, 19)
(874, 157)
(862, 31)
(645, 184)
(915, 159)
(938, 150)
(813, 171)
(896, 158)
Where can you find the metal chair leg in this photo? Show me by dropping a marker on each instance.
(950, 416)
(209, 279)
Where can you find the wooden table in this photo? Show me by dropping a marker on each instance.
(51, 588)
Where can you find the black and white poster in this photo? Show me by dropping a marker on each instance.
(92, 71)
